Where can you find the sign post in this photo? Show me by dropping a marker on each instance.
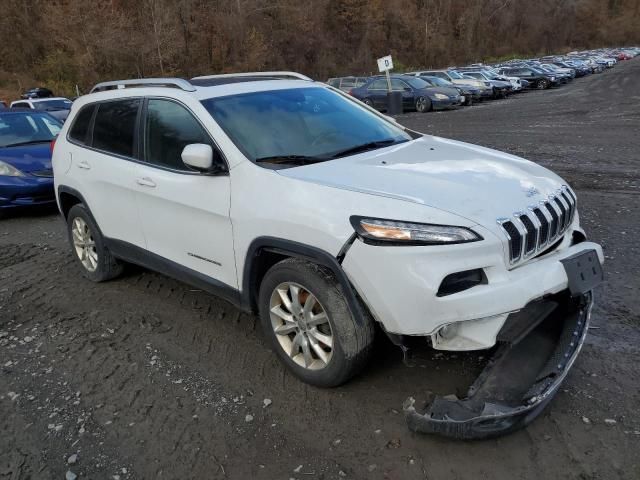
(384, 65)
(394, 99)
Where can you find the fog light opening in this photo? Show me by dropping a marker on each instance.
(447, 332)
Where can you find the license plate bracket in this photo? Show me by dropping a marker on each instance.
(584, 272)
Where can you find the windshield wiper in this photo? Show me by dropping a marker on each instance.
(366, 146)
(30, 142)
(299, 159)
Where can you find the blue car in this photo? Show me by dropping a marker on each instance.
(417, 94)
(26, 177)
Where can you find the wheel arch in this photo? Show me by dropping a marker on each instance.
(264, 252)
(67, 198)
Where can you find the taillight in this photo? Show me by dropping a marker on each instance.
(51, 145)
(350, 92)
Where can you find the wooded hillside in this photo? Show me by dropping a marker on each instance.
(60, 43)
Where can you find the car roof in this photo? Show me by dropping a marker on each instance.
(212, 88)
(36, 100)
(240, 87)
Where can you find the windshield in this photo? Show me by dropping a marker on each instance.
(301, 125)
(53, 105)
(27, 128)
(455, 75)
(416, 82)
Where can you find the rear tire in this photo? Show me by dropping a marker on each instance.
(318, 338)
(88, 248)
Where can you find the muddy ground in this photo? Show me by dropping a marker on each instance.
(145, 377)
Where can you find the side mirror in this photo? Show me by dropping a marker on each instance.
(407, 89)
(198, 156)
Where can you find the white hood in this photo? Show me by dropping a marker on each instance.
(474, 182)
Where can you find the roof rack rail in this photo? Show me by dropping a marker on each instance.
(180, 83)
(282, 74)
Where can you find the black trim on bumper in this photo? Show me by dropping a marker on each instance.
(489, 410)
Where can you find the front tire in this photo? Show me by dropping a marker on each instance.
(87, 245)
(423, 104)
(309, 324)
(543, 84)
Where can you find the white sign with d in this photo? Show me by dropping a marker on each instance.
(385, 64)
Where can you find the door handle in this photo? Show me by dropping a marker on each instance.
(83, 164)
(145, 182)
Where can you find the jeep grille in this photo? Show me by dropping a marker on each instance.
(531, 231)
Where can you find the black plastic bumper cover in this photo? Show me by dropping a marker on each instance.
(493, 405)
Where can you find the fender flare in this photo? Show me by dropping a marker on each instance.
(70, 191)
(293, 249)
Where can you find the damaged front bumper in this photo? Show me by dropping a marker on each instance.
(538, 346)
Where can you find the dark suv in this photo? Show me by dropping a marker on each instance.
(537, 78)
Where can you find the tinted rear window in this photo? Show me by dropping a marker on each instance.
(80, 126)
(114, 126)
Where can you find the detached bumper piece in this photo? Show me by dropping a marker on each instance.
(537, 347)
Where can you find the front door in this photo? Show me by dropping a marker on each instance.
(184, 213)
(408, 100)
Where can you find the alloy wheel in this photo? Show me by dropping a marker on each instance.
(301, 325)
(421, 104)
(84, 244)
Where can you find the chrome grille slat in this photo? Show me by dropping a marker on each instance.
(571, 207)
(529, 232)
(564, 212)
(531, 236)
(555, 220)
(544, 226)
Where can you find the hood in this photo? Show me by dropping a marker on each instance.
(452, 92)
(28, 158)
(61, 114)
(474, 182)
(466, 86)
(468, 81)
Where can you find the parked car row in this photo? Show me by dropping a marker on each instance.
(440, 89)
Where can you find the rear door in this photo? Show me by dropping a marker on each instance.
(377, 93)
(184, 213)
(103, 151)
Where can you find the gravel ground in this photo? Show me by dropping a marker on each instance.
(144, 377)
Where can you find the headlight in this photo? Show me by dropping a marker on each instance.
(553, 79)
(441, 96)
(378, 230)
(9, 170)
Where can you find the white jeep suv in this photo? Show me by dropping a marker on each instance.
(330, 220)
